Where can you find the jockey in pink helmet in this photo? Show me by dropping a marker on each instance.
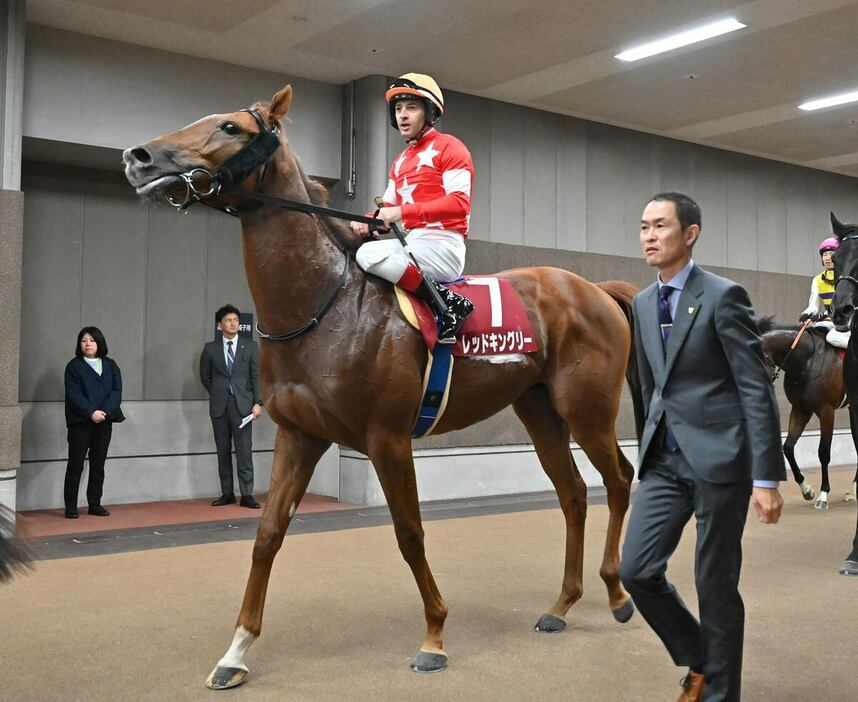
(822, 293)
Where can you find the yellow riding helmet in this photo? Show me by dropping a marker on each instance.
(420, 86)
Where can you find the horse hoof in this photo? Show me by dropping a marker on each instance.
(624, 612)
(549, 624)
(821, 504)
(849, 568)
(427, 662)
(807, 492)
(849, 497)
(224, 678)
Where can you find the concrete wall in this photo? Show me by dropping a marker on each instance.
(86, 90)
(550, 190)
(11, 228)
(553, 181)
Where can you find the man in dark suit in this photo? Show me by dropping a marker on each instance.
(711, 441)
(229, 370)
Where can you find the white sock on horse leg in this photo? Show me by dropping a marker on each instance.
(234, 657)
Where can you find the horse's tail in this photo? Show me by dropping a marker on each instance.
(14, 555)
(623, 293)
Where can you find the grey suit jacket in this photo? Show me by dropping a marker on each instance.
(711, 382)
(244, 378)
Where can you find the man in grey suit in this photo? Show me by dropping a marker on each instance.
(711, 441)
(229, 370)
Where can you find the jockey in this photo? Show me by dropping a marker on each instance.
(429, 191)
(822, 293)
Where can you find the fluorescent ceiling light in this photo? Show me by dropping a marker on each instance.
(692, 36)
(830, 101)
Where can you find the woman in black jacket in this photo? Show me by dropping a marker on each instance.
(93, 394)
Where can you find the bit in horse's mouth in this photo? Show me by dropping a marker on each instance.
(159, 186)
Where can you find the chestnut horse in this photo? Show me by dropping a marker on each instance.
(354, 377)
(813, 382)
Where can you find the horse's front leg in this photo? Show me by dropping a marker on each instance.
(394, 464)
(797, 422)
(295, 457)
(826, 431)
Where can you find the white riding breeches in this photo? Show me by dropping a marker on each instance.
(834, 337)
(440, 253)
(838, 338)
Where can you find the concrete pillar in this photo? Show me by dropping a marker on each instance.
(12, 33)
(373, 140)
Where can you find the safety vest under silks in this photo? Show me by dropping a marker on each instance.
(825, 286)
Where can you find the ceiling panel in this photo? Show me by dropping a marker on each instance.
(785, 64)
(213, 15)
(555, 55)
(808, 138)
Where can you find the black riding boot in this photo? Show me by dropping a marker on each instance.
(450, 321)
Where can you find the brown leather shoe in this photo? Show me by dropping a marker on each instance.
(692, 687)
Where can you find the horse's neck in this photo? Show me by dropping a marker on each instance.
(801, 358)
(291, 261)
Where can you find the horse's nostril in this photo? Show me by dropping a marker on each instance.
(141, 155)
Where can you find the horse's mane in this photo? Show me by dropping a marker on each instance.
(767, 324)
(318, 194)
(339, 231)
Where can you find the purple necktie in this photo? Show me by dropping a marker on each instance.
(665, 321)
(665, 318)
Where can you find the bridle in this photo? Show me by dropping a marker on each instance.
(257, 153)
(779, 367)
(849, 278)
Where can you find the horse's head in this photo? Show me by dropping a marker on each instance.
(191, 164)
(846, 269)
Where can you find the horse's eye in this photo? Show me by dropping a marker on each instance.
(230, 128)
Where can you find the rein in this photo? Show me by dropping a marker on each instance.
(779, 368)
(258, 152)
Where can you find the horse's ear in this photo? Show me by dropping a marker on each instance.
(838, 227)
(280, 105)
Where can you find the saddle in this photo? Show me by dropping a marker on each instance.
(499, 328)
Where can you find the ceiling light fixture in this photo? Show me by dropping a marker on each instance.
(691, 36)
(832, 101)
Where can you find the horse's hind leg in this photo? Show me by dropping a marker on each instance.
(592, 426)
(600, 445)
(826, 431)
(797, 422)
(295, 458)
(551, 440)
(394, 465)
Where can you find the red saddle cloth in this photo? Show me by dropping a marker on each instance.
(499, 324)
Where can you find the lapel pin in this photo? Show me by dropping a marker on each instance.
(690, 310)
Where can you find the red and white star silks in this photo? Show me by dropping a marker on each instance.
(431, 181)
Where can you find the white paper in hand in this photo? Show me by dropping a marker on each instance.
(247, 420)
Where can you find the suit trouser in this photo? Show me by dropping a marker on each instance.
(227, 433)
(94, 438)
(669, 493)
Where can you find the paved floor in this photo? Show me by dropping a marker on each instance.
(343, 617)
